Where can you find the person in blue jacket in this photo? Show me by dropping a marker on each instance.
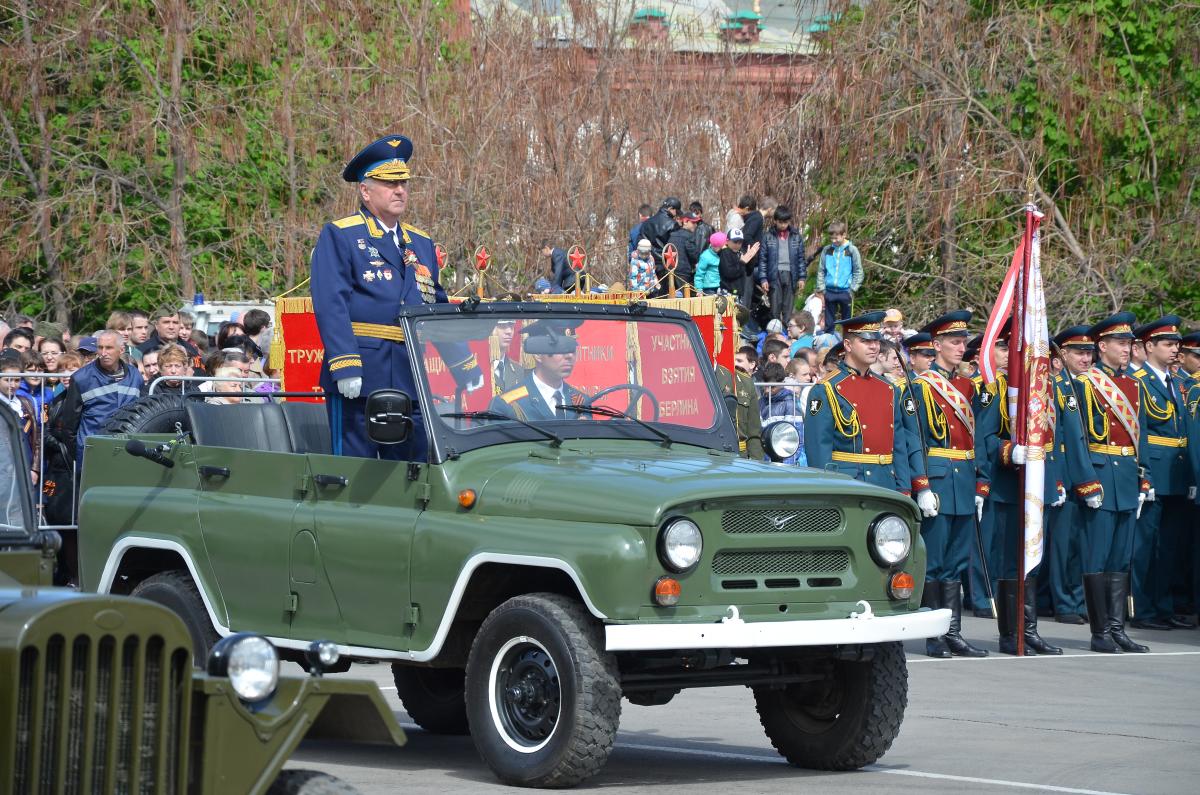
(365, 267)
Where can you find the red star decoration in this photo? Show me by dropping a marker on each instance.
(670, 256)
(482, 258)
(441, 255)
(577, 257)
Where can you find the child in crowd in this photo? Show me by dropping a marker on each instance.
(641, 269)
(10, 382)
(708, 269)
(778, 402)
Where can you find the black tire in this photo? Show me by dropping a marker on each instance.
(309, 782)
(165, 413)
(435, 698)
(176, 591)
(543, 697)
(843, 723)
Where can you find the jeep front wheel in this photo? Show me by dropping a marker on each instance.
(176, 591)
(543, 698)
(843, 722)
(433, 697)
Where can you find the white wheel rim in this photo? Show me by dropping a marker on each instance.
(494, 707)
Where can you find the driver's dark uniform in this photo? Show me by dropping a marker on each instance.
(526, 402)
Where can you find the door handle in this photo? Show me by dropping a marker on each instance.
(331, 480)
(209, 471)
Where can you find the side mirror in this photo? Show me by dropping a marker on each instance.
(731, 405)
(389, 416)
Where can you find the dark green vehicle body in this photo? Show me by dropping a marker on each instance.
(98, 693)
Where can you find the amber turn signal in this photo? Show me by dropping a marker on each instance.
(901, 585)
(666, 591)
(466, 498)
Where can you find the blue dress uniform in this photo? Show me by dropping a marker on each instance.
(855, 423)
(1115, 421)
(1157, 538)
(361, 277)
(1189, 577)
(942, 401)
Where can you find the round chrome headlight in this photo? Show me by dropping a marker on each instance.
(889, 539)
(251, 664)
(780, 440)
(680, 545)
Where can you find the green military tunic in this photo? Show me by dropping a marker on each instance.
(747, 420)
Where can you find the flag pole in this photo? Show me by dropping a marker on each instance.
(1018, 379)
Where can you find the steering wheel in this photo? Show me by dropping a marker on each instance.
(636, 393)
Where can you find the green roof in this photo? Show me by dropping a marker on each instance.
(746, 14)
(649, 13)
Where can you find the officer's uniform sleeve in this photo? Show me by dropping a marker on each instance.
(1078, 461)
(754, 448)
(913, 442)
(818, 425)
(332, 286)
(987, 431)
(900, 452)
(1147, 482)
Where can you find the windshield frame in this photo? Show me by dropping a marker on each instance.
(446, 442)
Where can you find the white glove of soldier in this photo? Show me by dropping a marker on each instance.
(979, 507)
(350, 387)
(1017, 455)
(1094, 501)
(1062, 497)
(927, 502)
(1150, 496)
(1141, 502)
(1191, 492)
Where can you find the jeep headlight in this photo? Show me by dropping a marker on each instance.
(780, 440)
(250, 663)
(889, 539)
(680, 545)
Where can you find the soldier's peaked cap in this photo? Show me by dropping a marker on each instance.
(867, 325)
(1119, 326)
(953, 324)
(921, 342)
(1191, 343)
(1165, 328)
(973, 346)
(385, 159)
(550, 336)
(1075, 337)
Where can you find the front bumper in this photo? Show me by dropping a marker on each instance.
(734, 633)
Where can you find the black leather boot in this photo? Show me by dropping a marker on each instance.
(1117, 588)
(1095, 595)
(1034, 641)
(931, 597)
(1006, 615)
(952, 598)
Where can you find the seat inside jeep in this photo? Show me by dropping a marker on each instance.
(273, 427)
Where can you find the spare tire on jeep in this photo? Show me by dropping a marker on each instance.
(165, 413)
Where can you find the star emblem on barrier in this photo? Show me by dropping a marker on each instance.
(578, 258)
(670, 256)
(482, 259)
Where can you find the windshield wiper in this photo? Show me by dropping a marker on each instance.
(555, 439)
(606, 411)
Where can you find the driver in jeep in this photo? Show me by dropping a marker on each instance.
(544, 392)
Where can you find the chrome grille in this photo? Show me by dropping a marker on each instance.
(771, 520)
(791, 561)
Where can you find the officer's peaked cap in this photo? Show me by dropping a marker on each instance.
(867, 325)
(1118, 326)
(385, 159)
(921, 342)
(551, 336)
(953, 324)
(1165, 328)
(1075, 337)
(1190, 342)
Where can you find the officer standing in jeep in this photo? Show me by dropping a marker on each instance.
(365, 267)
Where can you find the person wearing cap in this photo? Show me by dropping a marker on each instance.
(544, 393)
(855, 420)
(1157, 538)
(1114, 419)
(1073, 466)
(947, 426)
(683, 238)
(708, 267)
(641, 269)
(893, 326)
(1189, 368)
(781, 265)
(920, 351)
(658, 227)
(507, 373)
(365, 267)
(734, 261)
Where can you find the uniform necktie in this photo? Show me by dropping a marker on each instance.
(559, 412)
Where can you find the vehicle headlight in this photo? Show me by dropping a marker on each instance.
(680, 545)
(780, 440)
(251, 664)
(889, 539)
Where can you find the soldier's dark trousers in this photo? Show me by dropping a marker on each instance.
(1155, 550)
(348, 433)
(948, 541)
(1107, 540)
(1064, 526)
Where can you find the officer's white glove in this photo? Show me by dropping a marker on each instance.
(1017, 455)
(1141, 503)
(476, 384)
(979, 507)
(1150, 496)
(1062, 497)
(1191, 492)
(1094, 501)
(927, 502)
(350, 387)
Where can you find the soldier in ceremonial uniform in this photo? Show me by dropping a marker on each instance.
(1115, 421)
(1072, 463)
(544, 393)
(1189, 580)
(507, 373)
(947, 423)
(1157, 538)
(746, 418)
(985, 399)
(365, 267)
(856, 420)
(920, 352)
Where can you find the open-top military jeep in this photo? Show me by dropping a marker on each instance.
(98, 693)
(580, 530)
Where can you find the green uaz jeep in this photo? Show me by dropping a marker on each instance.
(98, 693)
(580, 529)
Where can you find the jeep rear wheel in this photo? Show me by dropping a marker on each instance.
(309, 782)
(175, 591)
(433, 697)
(543, 698)
(847, 720)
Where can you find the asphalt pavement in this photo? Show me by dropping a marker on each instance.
(1080, 723)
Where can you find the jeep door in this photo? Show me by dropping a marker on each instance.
(365, 512)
